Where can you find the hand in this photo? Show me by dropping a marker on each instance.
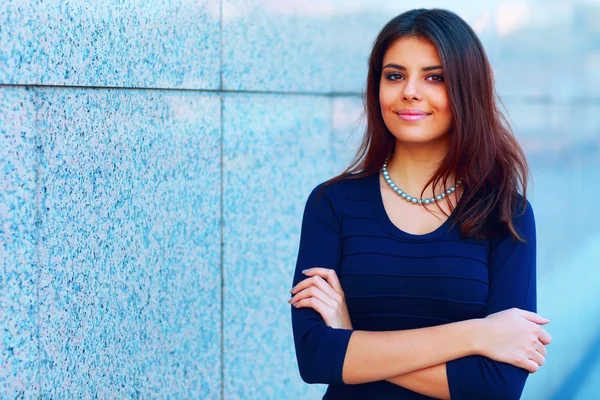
(323, 293)
(514, 336)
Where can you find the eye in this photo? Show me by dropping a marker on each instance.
(439, 78)
(392, 76)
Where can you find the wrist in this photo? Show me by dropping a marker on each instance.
(475, 335)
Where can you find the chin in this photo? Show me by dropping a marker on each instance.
(417, 137)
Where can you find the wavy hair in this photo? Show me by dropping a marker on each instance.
(483, 149)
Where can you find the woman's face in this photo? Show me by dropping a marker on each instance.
(413, 97)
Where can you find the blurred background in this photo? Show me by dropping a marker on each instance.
(155, 159)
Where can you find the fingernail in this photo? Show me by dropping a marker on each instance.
(295, 304)
(292, 289)
(305, 271)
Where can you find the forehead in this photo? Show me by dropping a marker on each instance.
(412, 51)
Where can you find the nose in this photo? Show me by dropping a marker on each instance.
(410, 91)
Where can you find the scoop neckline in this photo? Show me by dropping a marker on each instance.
(386, 223)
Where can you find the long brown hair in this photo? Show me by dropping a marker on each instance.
(483, 150)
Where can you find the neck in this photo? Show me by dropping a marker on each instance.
(414, 164)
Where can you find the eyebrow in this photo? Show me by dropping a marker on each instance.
(403, 68)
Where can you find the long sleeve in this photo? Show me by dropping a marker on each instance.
(320, 349)
(512, 269)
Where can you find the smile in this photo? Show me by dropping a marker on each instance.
(412, 117)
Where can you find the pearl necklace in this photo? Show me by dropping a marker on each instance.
(411, 199)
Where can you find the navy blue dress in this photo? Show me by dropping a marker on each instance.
(394, 280)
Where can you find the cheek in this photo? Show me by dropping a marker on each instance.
(442, 105)
(387, 97)
(444, 116)
(442, 101)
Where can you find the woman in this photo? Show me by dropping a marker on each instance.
(416, 273)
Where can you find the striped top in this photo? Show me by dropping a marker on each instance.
(394, 280)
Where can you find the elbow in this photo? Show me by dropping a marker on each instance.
(320, 354)
(501, 391)
(508, 383)
(508, 392)
(478, 377)
(305, 372)
(310, 372)
(496, 392)
(309, 377)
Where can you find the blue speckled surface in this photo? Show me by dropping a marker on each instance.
(129, 244)
(276, 45)
(347, 128)
(19, 375)
(276, 149)
(172, 44)
(110, 199)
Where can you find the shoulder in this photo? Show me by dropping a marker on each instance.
(334, 197)
(347, 186)
(523, 212)
(522, 221)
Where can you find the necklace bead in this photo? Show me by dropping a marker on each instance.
(411, 199)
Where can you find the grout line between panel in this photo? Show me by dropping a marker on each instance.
(38, 226)
(220, 90)
(217, 90)
(222, 220)
(221, 45)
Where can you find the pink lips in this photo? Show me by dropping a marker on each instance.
(412, 115)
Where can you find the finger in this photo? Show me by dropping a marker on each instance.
(540, 348)
(533, 317)
(303, 284)
(313, 303)
(544, 337)
(329, 275)
(320, 283)
(326, 287)
(313, 291)
(537, 358)
(529, 365)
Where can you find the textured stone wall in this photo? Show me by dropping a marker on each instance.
(155, 159)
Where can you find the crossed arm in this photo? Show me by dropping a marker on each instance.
(431, 381)
(418, 359)
(405, 357)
